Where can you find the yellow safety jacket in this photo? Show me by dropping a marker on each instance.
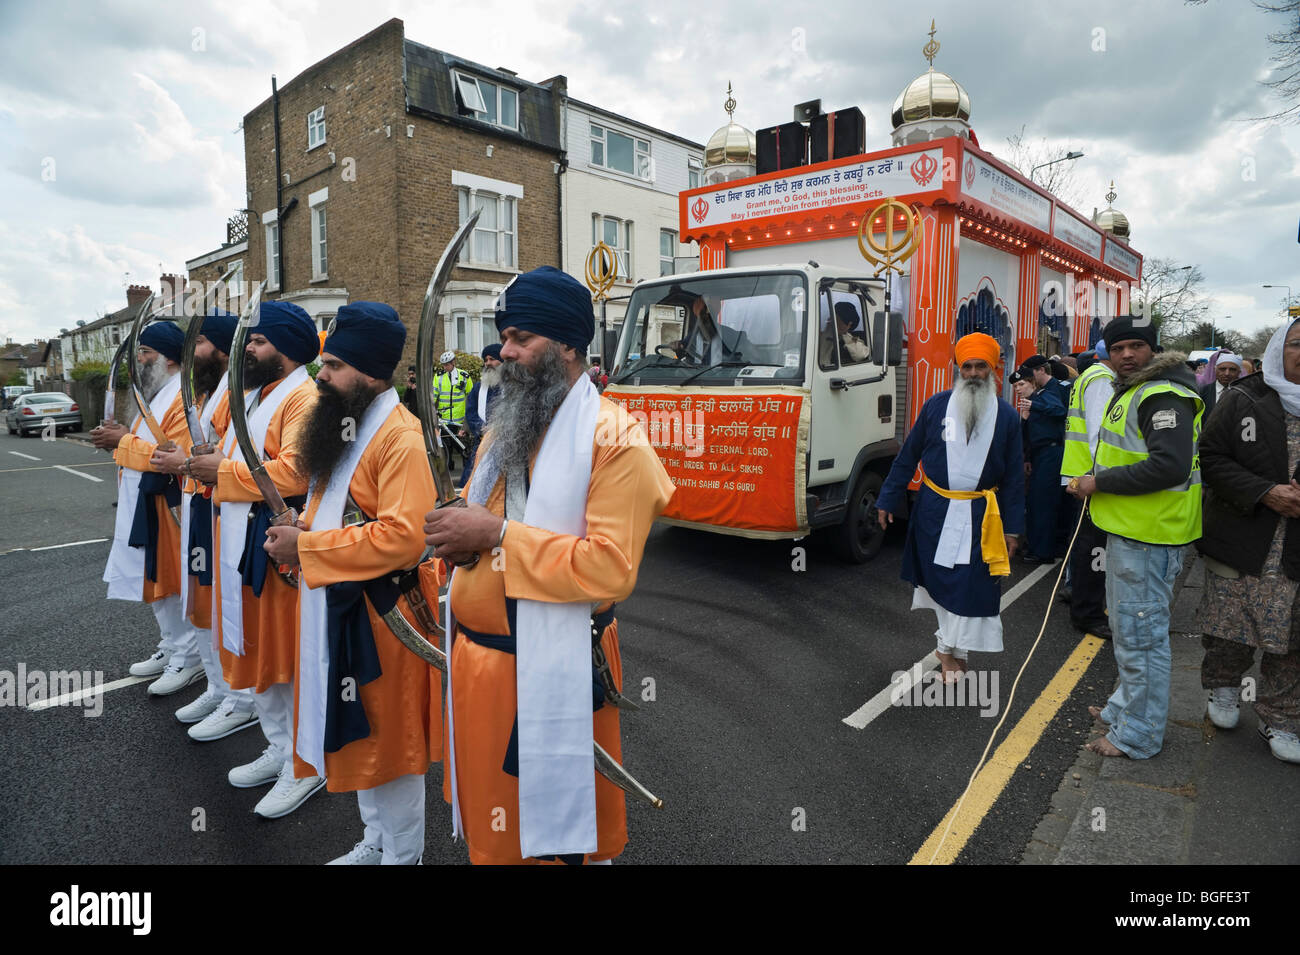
(449, 394)
(1077, 458)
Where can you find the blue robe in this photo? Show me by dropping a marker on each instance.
(965, 589)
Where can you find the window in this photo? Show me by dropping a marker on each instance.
(490, 335)
(234, 279)
(456, 340)
(316, 128)
(844, 334)
(493, 242)
(617, 234)
(489, 102)
(693, 168)
(319, 256)
(620, 152)
(667, 249)
(272, 228)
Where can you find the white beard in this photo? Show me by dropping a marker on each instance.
(153, 376)
(971, 398)
(491, 376)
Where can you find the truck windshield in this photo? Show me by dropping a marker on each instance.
(714, 330)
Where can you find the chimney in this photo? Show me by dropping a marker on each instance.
(173, 288)
(136, 294)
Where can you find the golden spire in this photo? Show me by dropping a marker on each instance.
(730, 104)
(931, 48)
(1112, 195)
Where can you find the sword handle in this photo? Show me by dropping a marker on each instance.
(460, 560)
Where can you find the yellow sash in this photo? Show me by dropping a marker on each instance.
(993, 544)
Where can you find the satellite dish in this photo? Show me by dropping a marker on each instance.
(81, 322)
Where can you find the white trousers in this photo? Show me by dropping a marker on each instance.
(394, 818)
(243, 699)
(274, 706)
(177, 636)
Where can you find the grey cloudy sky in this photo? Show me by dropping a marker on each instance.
(120, 150)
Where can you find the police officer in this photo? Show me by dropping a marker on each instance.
(1042, 405)
(1146, 494)
(450, 390)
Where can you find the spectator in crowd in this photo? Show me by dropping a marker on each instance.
(1226, 370)
(409, 397)
(1250, 458)
(1042, 406)
(478, 408)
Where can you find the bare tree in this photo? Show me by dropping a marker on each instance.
(1058, 178)
(1172, 296)
(1284, 76)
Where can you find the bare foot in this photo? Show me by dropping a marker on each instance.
(1105, 747)
(951, 667)
(1096, 714)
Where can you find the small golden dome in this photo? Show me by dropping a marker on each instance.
(932, 95)
(732, 143)
(1111, 220)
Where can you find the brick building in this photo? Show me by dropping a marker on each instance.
(384, 147)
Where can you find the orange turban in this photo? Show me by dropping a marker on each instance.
(977, 345)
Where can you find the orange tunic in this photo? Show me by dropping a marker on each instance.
(201, 595)
(270, 622)
(628, 489)
(134, 452)
(404, 706)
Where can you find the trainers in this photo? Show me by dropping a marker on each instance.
(263, 770)
(287, 795)
(1285, 746)
(151, 667)
(221, 722)
(1224, 708)
(361, 854)
(175, 679)
(196, 710)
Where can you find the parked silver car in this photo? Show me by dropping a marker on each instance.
(31, 412)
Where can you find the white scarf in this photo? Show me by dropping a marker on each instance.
(557, 781)
(966, 459)
(313, 656)
(124, 572)
(234, 514)
(187, 559)
(1275, 371)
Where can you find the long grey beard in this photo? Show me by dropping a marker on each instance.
(491, 376)
(529, 399)
(153, 376)
(971, 400)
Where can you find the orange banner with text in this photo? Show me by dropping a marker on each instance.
(736, 455)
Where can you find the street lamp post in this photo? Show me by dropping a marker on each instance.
(1288, 293)
(1041, 165)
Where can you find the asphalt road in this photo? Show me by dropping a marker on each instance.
(753, 665)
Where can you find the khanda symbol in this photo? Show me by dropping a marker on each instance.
(602, 270)
(895, 249)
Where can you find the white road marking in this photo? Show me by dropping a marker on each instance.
(80, 695)
(879, 703)
(50, 467)
(19, 454)
(88, 477)
(97, 540)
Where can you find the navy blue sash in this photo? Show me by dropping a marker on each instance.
(352, 654)
(200, 537)
(144, 526)
(254, 563)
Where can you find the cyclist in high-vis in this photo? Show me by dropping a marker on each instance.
(450, 391)
(1146, 495)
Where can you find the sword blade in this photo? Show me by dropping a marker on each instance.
(192, 332)
(142, 318)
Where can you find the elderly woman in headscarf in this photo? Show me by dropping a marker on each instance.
(1250, 459)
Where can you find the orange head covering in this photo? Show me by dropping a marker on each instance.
(977, 345)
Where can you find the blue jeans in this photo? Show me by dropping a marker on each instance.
(1139, 589)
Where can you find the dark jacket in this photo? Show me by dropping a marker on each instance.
(1237, 528)
(1209, 394)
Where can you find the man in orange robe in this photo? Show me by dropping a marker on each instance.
(257, 619)
(145, 523)
(368, 712)
(562, 498)
(219, 711)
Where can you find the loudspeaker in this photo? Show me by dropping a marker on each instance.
(782, 147)
(837, 135)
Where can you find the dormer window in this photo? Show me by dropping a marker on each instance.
(486, 101)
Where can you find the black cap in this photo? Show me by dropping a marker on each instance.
(1125, 328)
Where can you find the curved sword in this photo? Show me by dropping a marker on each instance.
(161, 441)
(192, 332)
(110, 392)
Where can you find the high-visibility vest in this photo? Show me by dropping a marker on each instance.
(1170, 516)
(449, 393)
(1077, 458)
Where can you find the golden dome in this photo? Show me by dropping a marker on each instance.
(1111, 220)
(732, 143)
(932, 95)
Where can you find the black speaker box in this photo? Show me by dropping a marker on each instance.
(837, 135)
(782, 147)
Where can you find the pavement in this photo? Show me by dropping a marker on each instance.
(1210, 797)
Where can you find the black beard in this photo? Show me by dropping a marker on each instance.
(323, 439)
(207, 374)
(258, 374)
(528, 401)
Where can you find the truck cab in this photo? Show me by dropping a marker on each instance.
(772, 396)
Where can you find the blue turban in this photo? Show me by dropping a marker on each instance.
(549, 303)
(492, 351)
(290, 329)
(1101, 351)
(219, 328)
(166, 338)
(368, 336)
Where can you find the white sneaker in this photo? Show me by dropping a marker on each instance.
(196, 710)
(264, 769)
(223, 721)
(287, 795)
(361, 854)
(175, 679)
(1285, 746)
(1224, 708)
(151, 667)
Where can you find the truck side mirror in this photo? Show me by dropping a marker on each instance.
(887, 338)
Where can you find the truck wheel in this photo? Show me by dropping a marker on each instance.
(859, 538)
